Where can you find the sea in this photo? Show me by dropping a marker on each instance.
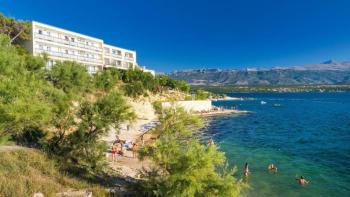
(303, 134)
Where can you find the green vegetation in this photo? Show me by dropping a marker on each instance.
(26, 171)
(183, 166)
(202, 95)
(17, 31)
(138, 82)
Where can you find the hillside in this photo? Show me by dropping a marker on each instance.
(329, 72)
(25, 171)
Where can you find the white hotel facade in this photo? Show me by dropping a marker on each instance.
(61, 45)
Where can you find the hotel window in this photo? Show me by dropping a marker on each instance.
(66, 51)
(40, 31)
(72, 39)
(66, 38)
(106, 61)
(48, 48)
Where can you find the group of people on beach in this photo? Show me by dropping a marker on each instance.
(117, 148)
(271, 168)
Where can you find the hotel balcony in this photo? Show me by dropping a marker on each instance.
(129, 58)
(76, 57)
(114, 55)
(67, 42)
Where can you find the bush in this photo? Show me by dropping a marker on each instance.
(134, 89)
(183, 166)
(82, 149)
(71, 77)
(106, 79)
(202, 95)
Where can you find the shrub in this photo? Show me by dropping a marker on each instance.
(134, 89)
(71, 77)
(183, 166)
(106, 79)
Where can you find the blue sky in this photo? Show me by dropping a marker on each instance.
(172, 35)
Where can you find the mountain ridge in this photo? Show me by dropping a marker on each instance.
(328, 72)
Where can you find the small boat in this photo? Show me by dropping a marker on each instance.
(277, 105)
(263, 102)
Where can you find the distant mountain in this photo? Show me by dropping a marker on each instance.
(329, 72)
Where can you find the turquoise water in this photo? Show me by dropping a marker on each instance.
(308, 134)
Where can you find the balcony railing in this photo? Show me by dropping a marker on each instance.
(129, 58)
(114, 55)
(70, 56)
(68, 42)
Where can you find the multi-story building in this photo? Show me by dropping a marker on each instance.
(61, 44)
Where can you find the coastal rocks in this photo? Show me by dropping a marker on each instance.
(39, 194)
(80, 193)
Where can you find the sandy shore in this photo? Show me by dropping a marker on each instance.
(131, 132)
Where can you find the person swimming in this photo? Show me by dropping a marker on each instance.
(210, 142)
(272, 168)
(302, 181)
(246, 169)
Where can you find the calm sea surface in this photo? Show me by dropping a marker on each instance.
(305, 134)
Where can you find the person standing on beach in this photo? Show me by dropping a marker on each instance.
(114, 151)
(142, 140)
(246, 169)
(134, 150)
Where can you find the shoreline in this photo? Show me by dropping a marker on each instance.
(223, 112)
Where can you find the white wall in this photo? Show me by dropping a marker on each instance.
(196, 106)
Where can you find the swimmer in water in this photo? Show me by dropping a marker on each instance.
(302, 181)
(272, 168)
(211, 142)
(246, 169)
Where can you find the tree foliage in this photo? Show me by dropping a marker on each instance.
(106, 79)
(82, 148)
(202, 95)
(71, 77)
(183, 166)
(12, 28)
(25, 98)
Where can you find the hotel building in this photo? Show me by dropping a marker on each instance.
(61, 44)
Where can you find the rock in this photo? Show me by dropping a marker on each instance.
(80, 193)
(39, 194)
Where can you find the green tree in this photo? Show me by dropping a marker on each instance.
(25, 97)
(134, 89)
(71, 77)
(17, 31)
(183, 86)
(202, 95)
(183, 166)
(106, 79)
(82, 148)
